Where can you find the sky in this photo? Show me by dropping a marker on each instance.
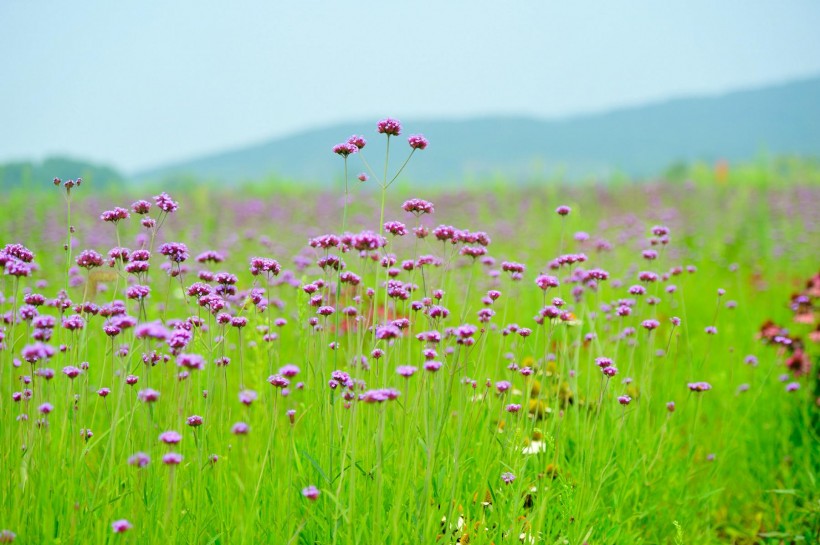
(139, 84)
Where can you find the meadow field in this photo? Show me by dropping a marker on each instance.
(376, 362)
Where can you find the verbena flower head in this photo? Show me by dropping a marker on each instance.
(603, 362)
(148, 395)
(417, 141)
(344, 149)
(247, 397)
(121, 526)
(172, 459)
(649, 325)
(166, 203)
(379, 395)
(418, 207)
(177, 252)
(699, 386)
(357, 141)
(389, 126)
(406, 371)
(563, 210)
(502, 386)
(432, 366)
(141, 207)
(624, 400)
(194, 421)
(507, 477)
(513, 407)
(140, 459)
(610, 371)
(289, 370)
(170, 437)
(240, 428)
(7, 536)
(115, 215)
(311, 493)
(89, 259)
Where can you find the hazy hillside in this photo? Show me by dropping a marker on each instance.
(27, 173)
(640, 141)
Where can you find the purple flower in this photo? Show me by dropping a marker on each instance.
(7, 536)
(240, 428)
(563, 210)
(417, 141)
(432, 366)
(344, 149)
(115, 215)
(278, 381)
(406, 371)
(121, 526)
(88, 259)
(513, 408)
(502, 386)
(670, 406)
(395, 228)
(610, 371)
(711, 330)
(289, 370)
(71, 372)
(418, 207)
(545, 282)
(603, 363)
(165, 203)
(194, 421)
(140, 459)
(624, 400)
(792, 386)
(174, 251)
(141, 207)
(246, 397)
(45, 408)
(170, 437)
(36, 352)
(363, 177)
(389, 126)
(379, 395)
(191, 361)
(357, 141)
(311, 493)
(172, 459)
(649, 325)
(147, 395)
(699, 386)
(507, 477)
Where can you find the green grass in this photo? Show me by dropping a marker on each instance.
(392, 472)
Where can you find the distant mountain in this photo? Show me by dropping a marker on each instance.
(30, 174)
(638, 141)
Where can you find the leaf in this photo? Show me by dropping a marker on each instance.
(316, 466)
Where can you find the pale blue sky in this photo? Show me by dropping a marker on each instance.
(141, 83)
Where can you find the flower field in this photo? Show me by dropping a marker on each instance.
(378, 363)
